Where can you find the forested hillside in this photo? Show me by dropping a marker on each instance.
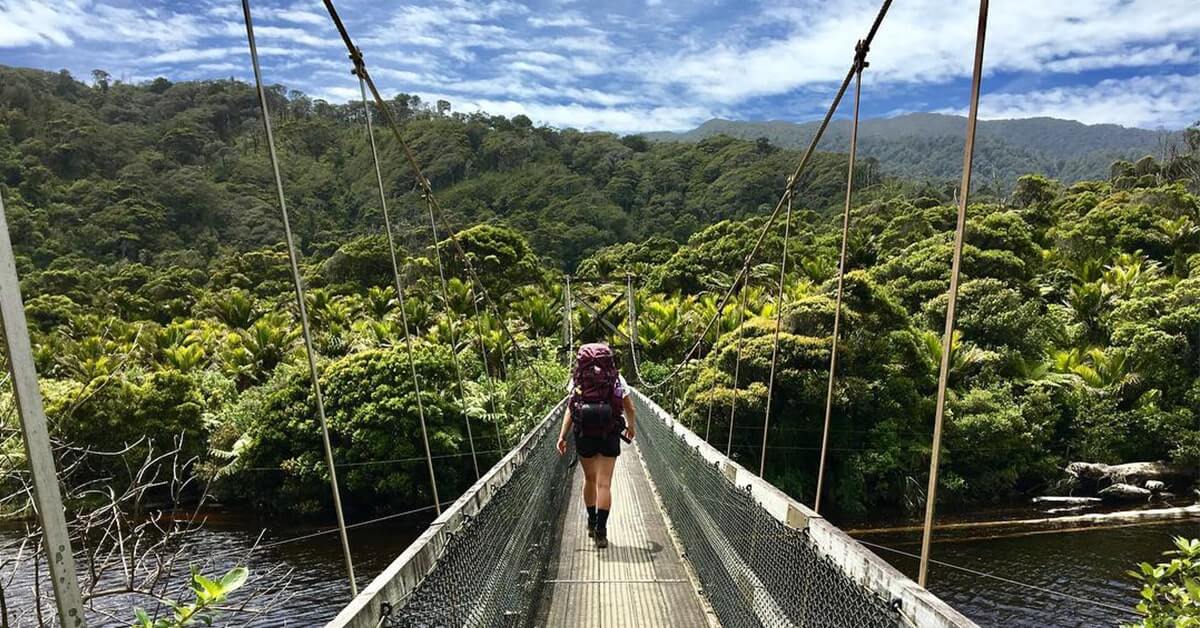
(929, 146)
(121, 172)
(161, 305)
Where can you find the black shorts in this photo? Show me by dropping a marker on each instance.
(607, 446)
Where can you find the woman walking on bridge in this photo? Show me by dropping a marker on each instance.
(600, 413)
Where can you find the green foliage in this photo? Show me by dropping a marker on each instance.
(162, 303)
(371, 409)
(1171, 589)
(499, 256)
(209, 595)
(928, 146)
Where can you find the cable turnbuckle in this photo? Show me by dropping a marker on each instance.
(860, 55)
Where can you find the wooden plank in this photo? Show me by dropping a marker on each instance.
(638, 581)
(46, 494)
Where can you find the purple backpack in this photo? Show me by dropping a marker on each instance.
(596, 401)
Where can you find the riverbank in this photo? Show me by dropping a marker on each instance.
(1062, 523)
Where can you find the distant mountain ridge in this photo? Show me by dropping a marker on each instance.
(929, 145)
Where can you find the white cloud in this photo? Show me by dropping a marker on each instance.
(32, 23)
(25, 22)
(564, 20)
(1134, 57)
(185, 55)
(209, 69)
(1144, 101)
(298, 15)
(640, 65)
(618, 119)
(924, 41)
(337, 94)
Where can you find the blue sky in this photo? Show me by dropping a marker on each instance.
(640, 65)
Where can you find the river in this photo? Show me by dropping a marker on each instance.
(1089, 565)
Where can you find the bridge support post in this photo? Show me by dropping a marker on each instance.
(47, 496)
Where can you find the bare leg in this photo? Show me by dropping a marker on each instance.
(589, 479)
(604, 472)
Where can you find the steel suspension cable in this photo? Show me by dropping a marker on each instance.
(955, 265)
(299, 285)
(568, 324)
(737, 365)
(487, 369)
(451, 320)
(787, 231)
(708, 423)
(400, 292)
(422, 182)
(506, 372)
(712, 346)
(779, 206)
(633, 330)
(861, 59)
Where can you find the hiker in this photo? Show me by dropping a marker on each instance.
(600, 413)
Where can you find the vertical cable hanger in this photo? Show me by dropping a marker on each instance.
(787, 231)
(400, 293)
(947, 337)
(633, 330)
(453, 323)
(299, 285)
(487, 369)
(422, 182)
(737, 364)
(779, 205)
(861, 61)
(568, 324)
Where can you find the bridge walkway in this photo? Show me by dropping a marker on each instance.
(639, 580)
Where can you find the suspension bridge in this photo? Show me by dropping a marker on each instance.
(698, 538)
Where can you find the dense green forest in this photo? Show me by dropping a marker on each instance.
(928, 146)
(160, 300)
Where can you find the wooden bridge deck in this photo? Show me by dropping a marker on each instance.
(639, 580)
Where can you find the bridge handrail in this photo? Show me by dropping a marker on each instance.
(917, 606)
(407, 571)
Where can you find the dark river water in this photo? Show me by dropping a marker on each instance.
(1089, 565)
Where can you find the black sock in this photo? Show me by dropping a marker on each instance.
(591, 515)
(601, 519)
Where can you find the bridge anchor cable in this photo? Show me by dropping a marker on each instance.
(310, 351)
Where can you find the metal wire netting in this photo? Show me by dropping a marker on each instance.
(492, 569)
(754, 570)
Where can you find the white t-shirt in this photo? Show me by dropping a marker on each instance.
(622, 386)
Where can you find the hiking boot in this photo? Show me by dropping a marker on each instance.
(601, 538)
(591, 529)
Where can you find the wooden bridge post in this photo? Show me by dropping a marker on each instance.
(47, 496)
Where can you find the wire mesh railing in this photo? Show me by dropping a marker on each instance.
(482, 562)
(761, 558)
